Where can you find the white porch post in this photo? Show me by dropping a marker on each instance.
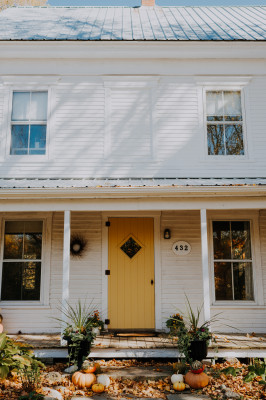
(66, 261)
(205, 265)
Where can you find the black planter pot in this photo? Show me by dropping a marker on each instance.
(84, 350)
(198, 350)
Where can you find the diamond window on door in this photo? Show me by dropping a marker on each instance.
(130, 247)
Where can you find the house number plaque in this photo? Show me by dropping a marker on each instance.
(181, 248)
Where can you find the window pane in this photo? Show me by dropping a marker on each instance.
(37, 139)
(223, 281)
(19, 139)
(232, 106)
(33, 246)
(21, 106)
(21, 281)
(11, 281)
(215, 140)
(221, 240)
(31, 280)
(241, 246)
(13, 244)
(38, 111)
(243, 282)
(234, 140)
(214, 105)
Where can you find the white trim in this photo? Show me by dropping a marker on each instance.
(45, 262)
(128, 81)
(253, 218)
(32, 80)
(133, 49)
(205, 265)
(157, 272)
(157, 259)
(223, 86)
(28, 85)
(107, 124)
(66, 262)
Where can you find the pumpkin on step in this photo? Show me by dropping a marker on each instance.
(196, 381)
(83, 380)
(197, 367)
(104, 380)
(177, 378)
(97, 388)
(179, 386)
(88, 367)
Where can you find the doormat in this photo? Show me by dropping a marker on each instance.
(136, 334)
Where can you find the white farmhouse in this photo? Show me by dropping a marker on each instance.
(139, 135)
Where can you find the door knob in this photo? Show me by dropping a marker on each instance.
(152, 282)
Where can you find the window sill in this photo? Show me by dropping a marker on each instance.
(24, 306)
(222, 159)
(239, 306)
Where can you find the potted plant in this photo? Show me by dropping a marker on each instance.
(96, 323)
(78, 331)
(193, 337)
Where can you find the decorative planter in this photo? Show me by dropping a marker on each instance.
(198, 350)
(84, 350)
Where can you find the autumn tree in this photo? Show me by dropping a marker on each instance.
(10, 3)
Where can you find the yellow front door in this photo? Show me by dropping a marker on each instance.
(131, 279)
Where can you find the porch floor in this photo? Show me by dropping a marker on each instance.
(108, 345)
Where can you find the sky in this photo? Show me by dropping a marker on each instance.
(132, 3)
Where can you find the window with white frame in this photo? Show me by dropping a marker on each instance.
(232, 260)
(28, 123)
(224, 123)
(22, 261)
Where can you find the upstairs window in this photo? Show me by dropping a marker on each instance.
(232, 259)
(22, 260)
(28, 123)
(224, 123)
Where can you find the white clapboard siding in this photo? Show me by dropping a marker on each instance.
(130, 123)
(135, 131)
(180, 274)
(85, 277)
(183, 275)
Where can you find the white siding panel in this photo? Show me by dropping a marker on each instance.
(130, 123)
(171, 145)
(180, 274)
(183, 275)
(85, 276)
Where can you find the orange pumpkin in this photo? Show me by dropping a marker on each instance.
(196, 381)
(83, 380)
(97, 388)
(88, 367)
(179, 386)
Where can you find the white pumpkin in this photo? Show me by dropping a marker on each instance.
(177, 378)
(104, 380)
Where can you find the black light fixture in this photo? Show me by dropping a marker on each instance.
(167, 234)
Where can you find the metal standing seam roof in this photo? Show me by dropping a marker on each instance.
(127, 183)
(136, 23)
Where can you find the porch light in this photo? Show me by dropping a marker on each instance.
(167, 234)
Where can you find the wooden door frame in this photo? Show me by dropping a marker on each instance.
(157, 259)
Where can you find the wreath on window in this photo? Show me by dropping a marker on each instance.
(78, 245)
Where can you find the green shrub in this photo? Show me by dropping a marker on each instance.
(15, 356)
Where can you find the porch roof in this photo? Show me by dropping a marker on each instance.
(134, 23)
(130, 183)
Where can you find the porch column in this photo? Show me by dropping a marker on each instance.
(205, 265)
(66, 262)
